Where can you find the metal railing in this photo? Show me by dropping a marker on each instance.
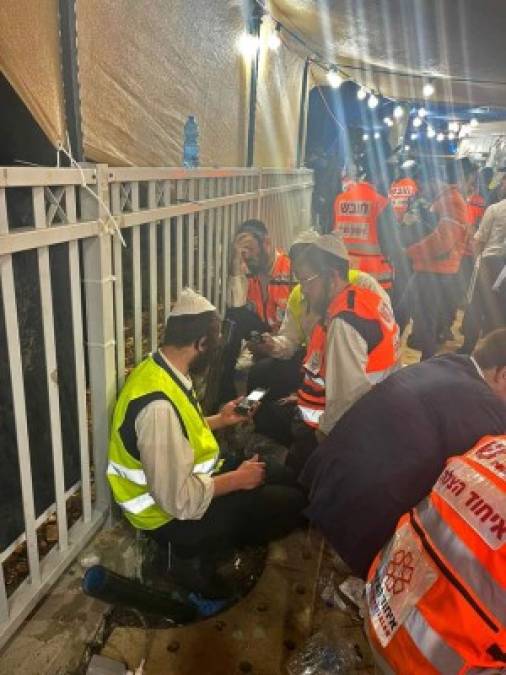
(178, 225)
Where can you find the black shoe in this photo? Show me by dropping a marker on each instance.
(199, 575)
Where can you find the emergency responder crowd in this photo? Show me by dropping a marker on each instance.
(402, 469)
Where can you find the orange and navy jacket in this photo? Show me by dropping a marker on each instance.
(364, 310)
(441, 251)
(272, 307)
(436, 593)
(400, 193)
(356, 213)
(476, 206)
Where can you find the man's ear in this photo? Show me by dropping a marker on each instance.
(201, 343)
(500, 376)
(268, 244)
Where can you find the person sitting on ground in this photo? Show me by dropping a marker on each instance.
(280, 369)
(435, 594)
(354, 345)
(385, 454)
(165, 470)
(258, 289)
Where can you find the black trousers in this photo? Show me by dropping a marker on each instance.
(246, 517)
(244, 322)
(432, 298)
(487, 309)
(281, 377)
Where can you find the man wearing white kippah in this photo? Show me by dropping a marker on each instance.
(164, 466)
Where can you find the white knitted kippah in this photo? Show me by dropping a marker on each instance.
(333, 244)
(190, 302)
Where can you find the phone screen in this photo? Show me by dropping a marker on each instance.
(256, 395)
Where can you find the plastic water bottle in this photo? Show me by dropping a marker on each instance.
(191, 143)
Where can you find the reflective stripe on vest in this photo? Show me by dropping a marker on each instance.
(206, 467)
(136, 476)
(310, 416)
(137, 505)
(437, 652)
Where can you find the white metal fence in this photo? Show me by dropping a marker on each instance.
(178, 225)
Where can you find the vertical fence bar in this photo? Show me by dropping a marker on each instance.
(167, 267)
(98, 286)
(77, 329)
(19, 405)
(191, 235)
(136, 276)
(153, 272)
(225, 237)
(218, 233)
(259, 194)
(210, 240)
(118, 290)
(179, 241)
(46, 300)
(200, 243)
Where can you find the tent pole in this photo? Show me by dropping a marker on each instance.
(301, 144)
(70, 72)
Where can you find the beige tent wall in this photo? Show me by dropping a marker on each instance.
(278, 104)
(146, 66)
(30, 60)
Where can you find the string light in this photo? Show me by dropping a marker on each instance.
(440, 137)
(388, 121)
(451, 136)
(473, 123)
(407, 148)
(453, 127)
(372, 101)
(428, 90)
(334, 79)
(414, 136)
(430, 132)
(274, 41)
(377, 135)
(417, 122)
(362, 93)
(248, 44)
(365, 137)
(422, 113)
(398, 112)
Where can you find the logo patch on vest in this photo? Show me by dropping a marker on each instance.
(355, 208)
(492, 456)
(476, 500)
(401, 580)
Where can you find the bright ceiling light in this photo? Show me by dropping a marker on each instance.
(361, 93)
(440, 137)
(334, 79)
(428, 89)
(274, 41)
(398, 112)
(451, 136)
(372, 101)
(248, 44)
(431, 132)
(365, 137)
(417, 122)
(388, 121)
(422, 112)
(414, 136)
(473, 123)
(454, 127)
(377, 135)
(407, 148)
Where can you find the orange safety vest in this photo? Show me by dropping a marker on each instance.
(356, 214)
(271, 308)
(401, 191)
(436, 593)
(475, 208)
(381, 359)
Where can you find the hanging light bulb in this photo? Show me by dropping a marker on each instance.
(417, 122)
(377, 135)
(451, 136)
(440, 137)
(422, 113)
(248, 44)
(398, 112)
(361, 93)
(388, 121)
(365, 137)
(430, 132)
(473, 122)
(428, 89)
(334, 79)
(407, 148)
(414, 136)
(372, 101)
(274, 41)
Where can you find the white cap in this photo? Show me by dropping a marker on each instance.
(333, 244)
(190, 302)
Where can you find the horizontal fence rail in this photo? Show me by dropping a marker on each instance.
(79, 310)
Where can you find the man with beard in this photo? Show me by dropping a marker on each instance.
(258, 290)
(164, 467)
